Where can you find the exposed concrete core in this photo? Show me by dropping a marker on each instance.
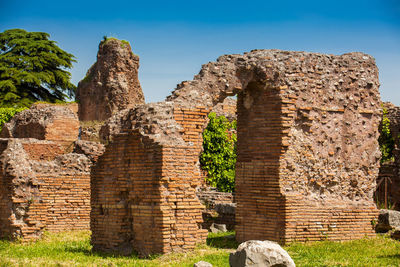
(111, 84)
(308, 155)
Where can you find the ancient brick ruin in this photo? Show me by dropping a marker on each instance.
(45, 173)
(111, 84)
(308, 155)
(44, 122)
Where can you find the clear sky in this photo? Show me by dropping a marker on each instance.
(174, 38)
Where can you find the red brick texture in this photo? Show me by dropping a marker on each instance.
(139, 186)
(56, 123)
(41, 188)
(308, 155)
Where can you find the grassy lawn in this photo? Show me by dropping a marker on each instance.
(73, 249)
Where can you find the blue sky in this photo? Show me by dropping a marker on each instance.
(174, 38)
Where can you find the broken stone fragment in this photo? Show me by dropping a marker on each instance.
(202, 264)
(388, 220)
(257, 253)
(218, 228)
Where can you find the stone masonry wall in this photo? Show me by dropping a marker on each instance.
(307, 145)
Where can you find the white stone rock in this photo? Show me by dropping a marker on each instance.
(257, 253)
(202, 264)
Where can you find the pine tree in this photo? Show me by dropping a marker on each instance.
(33, 68)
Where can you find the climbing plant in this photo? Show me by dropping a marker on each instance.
(386, 140)
(7, 113)
(219, 153)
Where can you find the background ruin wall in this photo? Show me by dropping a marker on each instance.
(389, 172)
(42, 185)
(307, 154)
(42, 189)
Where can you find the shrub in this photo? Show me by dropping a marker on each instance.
(219, 153)
(386, 140)
(7, 113)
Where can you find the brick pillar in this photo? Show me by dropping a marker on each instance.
(260, 205)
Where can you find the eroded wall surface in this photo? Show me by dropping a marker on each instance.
(307, 154)
(42, 185)
(58, 123)
(42, 189)
(111, 84)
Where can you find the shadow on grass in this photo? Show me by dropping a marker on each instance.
(395, 256)
(222, 241)
(106, 255)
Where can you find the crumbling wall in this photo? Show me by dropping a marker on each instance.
(330, 154)
(219, 207)
(42, 189)
(227, 108)
(42, 185)
(307, 145)
(51, 122)
(111, 84)
(143, 186)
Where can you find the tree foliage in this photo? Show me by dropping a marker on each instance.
(386, 140)
(33, 68)
(219, 153)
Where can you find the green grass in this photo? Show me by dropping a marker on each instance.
(74, 249)
(379, 251)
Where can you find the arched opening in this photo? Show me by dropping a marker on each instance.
(300, 147)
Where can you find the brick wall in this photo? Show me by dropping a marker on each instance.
(210, 196)
(126, 196)
(307, 220)
(58, 123)
(260, 213)
(67, 201)
(5, 198)
(42, 188)
(43, 151)
(62, 130)
(307, 164)
(139, 186)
